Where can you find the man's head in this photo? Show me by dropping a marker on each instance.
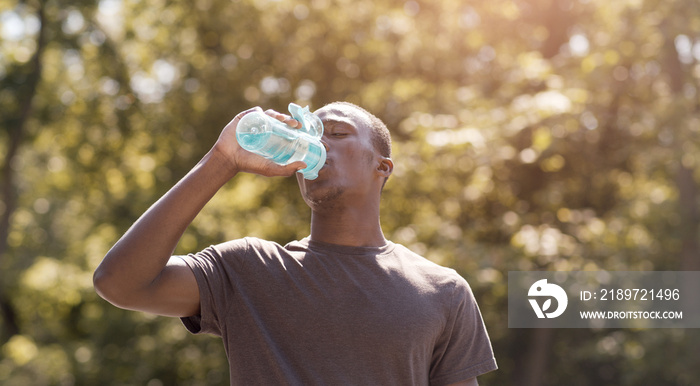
(358, 157)
(381, 138)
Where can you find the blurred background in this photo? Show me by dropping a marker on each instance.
(528, 135)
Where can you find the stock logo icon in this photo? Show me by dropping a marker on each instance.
(543, 289)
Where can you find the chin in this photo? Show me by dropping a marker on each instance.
(323, 198)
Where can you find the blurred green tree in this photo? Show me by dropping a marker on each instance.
(529, 134)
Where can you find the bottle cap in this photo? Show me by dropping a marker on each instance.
(310, 122)
(312, 125)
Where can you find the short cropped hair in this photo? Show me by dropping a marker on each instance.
(381, 138)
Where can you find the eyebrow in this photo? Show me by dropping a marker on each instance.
(333, 122)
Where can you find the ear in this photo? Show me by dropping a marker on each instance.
(386, 166)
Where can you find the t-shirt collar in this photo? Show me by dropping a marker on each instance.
(346, 249)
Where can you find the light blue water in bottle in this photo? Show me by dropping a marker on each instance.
(261, 134)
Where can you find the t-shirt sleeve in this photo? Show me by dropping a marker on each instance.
(464, 350)
(213, 279)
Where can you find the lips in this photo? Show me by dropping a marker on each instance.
(325, 166)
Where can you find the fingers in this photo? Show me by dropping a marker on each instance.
(298, 165)
(237, 118)
(279, 116)
(284, 118)
(283, 170)
(243, 113)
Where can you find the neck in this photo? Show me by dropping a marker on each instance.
(358, 227)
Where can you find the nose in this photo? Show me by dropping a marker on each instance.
(325, 144)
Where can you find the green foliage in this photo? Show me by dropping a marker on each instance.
(528, 135)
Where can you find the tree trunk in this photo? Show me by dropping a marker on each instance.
(536, 358)
(685, 181)
(688, 192)
(16, 130)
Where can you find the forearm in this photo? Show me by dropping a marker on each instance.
(136, 273)
(137, 259)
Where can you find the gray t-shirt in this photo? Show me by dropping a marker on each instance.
(311, 313)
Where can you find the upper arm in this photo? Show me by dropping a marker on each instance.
(464, 346)
(174, 292)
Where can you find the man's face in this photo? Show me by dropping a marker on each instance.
(351, 158)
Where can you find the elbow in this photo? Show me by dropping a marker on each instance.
(103, 284)
(110, 288)
(100, 282)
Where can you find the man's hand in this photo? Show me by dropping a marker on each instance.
(242, 160)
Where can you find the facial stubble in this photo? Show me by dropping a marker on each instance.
(326, 200)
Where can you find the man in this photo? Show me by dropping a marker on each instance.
(342, 306)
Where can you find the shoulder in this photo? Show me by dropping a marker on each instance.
(234, 253)
(246, 246)
(447, 284)
(242, 261)
(428, 268)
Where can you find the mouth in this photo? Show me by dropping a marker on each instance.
(324, 168)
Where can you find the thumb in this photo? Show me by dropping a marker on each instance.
(286, 170)
(297, 165)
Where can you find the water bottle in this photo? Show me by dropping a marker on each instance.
(261, 134)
